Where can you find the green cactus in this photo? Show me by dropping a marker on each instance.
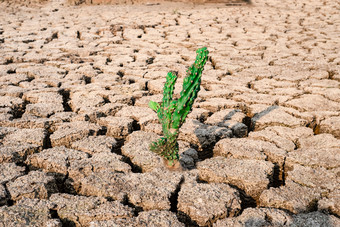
(172, 113)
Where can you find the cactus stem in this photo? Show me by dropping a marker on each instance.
(171, 112)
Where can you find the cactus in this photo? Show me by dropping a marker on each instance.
(172, 113)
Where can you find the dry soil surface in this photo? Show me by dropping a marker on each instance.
(260, 148)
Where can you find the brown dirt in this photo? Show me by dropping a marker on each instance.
(261, 145)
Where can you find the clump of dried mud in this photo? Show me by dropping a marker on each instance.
(261, 146)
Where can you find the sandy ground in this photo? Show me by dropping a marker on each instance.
(261, 147)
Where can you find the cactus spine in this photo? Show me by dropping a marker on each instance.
(172, 113)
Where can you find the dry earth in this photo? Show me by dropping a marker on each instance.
(261, 147)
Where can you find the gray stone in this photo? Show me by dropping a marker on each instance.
(81, 210)
(206, 203)
(191, 153)
(35, 184)
(292, 197)
(28, 212)
(202, 136)
(95, 144)
(186, 162)
(69, 132)
(253, 217)
(315, 219)
(188, 158)
(252, 176)
(239, 129)
(331, 125)
(230, 118)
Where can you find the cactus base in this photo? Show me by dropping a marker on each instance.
(166, 147)
(175, 165)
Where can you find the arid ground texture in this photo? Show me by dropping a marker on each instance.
(260, 148)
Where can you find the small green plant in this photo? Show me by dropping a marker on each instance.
(172, 113)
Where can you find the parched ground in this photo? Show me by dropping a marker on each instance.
(260, 148)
